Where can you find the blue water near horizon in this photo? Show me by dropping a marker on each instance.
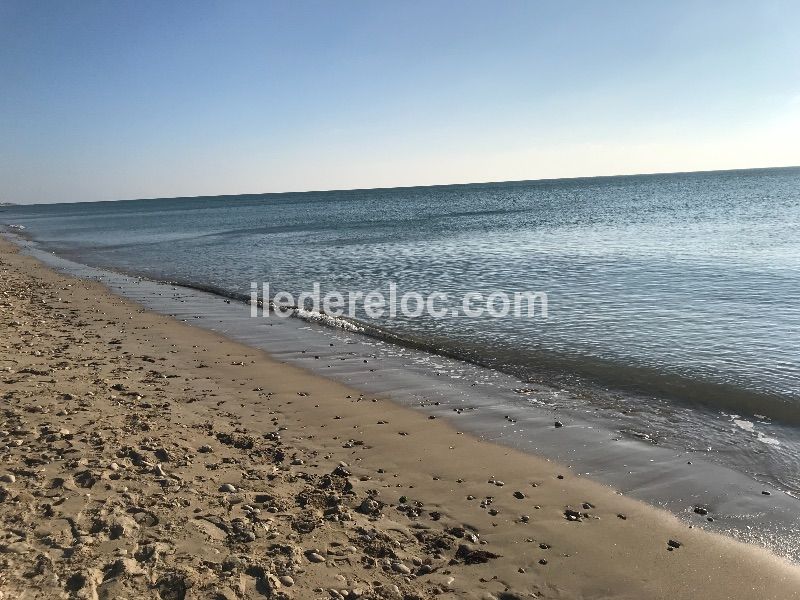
(682, 286)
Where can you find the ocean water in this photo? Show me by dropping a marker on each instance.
(678, 290)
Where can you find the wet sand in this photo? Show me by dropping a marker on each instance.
(144, 458)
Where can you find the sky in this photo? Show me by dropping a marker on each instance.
(113, 100)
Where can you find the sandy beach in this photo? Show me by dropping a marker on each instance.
(141, 457)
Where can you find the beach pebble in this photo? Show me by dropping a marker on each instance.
(286, 580)
(15, 548)
(401, 568)
(227, 488)
(519, 495)
(674, 544)
(164, 455)
(370, 506)
(8, 478)
(315, 557)
(341, 471)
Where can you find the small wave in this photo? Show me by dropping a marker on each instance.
(324, 319)
(311, 316)
(208, 288)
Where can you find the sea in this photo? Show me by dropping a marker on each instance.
(673, 300)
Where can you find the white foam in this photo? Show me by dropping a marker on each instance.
(318, 317)
(768, 440)
(746, 425)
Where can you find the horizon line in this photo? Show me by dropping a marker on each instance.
(409, 187)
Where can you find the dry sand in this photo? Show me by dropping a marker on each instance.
(144, 458)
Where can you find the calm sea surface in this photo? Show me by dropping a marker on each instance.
(684, 287)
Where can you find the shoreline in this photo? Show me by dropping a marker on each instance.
(639, 460)
(584, 375)
(207, 393)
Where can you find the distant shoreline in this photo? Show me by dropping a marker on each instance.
(425, 186)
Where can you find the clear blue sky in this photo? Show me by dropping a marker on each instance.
(109, 100)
